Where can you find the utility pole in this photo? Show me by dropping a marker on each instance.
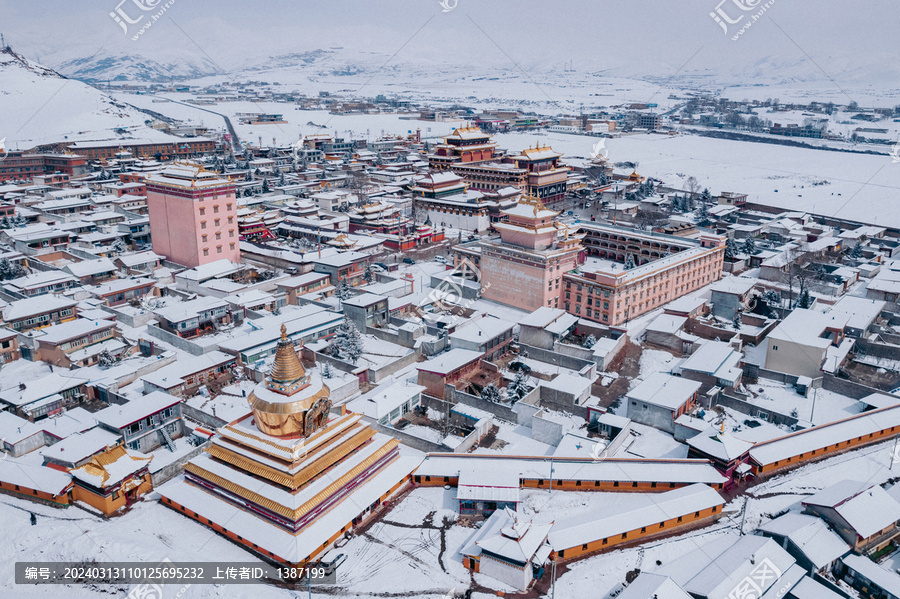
(552, 579)
(894, 453)
(743, 514)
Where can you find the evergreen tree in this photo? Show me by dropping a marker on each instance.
(629, 262)
(368, 275)
(10, 270)
(702, 213)
(327, 371)
(343, 290)
(281, 180)
(490, 393)
(731, 249)
(347, 343)
(804, 301)
(749, 246)
(518, 388)
(4, 222)
(105, 359)
(856, 253)
(118, 246)
(248, 176)
(736, 321)
(265, 186)
(590, 341)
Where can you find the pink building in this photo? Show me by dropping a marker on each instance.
(525, 267)
(666, 268)
(193, 215)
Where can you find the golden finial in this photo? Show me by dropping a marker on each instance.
(283, 332)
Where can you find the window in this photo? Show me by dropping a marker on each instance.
(202, 211)
(204, 238)
(228, 207)
(774, 348)
(218, 235)
(202, 224)
(206, 251)
(231, 232)
(216, 209)
(231, 246)
(230, 220)
(218, 249)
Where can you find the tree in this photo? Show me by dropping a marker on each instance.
(804, 300)
(347, 343)
(327, 371)
(105, 359)
(702, 212)
(518, 388)
(693, 188)
(368, 274)
(731, 249)
(281, 180)
(736, 321)
(857, 252)
(118, 246)
(749, 246)
(4, 222)
(343, 290)
(265, 186)
(629, 262)
(490, 393)
(248, 176)
(10, 270)
(590, 341)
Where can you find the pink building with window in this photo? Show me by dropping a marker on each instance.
(524, 268)
(193, 215)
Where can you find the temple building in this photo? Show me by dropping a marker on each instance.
(524, 268)
(289, 479)
(378, 216)
(547, 178)
(466, 144)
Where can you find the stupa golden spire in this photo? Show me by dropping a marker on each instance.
(290, 402)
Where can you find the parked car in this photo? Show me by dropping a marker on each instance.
(440, 259)
(408, 261)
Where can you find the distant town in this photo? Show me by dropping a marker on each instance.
(478, 370)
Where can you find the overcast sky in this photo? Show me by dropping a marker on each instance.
(832, 38)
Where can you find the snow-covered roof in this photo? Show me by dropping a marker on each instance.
(733, 285)
(447, 362)
(383, 399)
(39, 478)
(46, 386)
(480, 330)
(648, 584)
(880, 577)
(32, 306)
(14, 429)
(87, 268)
(819, 437)
(488, 482)
(119, 416)
(804, 327)
(110, 467)
(667, 323)
(139, 258)
(711, 357)
(810, 535)
(717, 568)
(720, 445)
(80, 446)
(860, 312)
(644, 509)
(664, 390)
(623, 470)
(866, 508)
(74, 329)
(172, 375)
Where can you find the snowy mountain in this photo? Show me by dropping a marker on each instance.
(134, 67)
(40, 106)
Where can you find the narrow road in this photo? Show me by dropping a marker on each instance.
(235, 140)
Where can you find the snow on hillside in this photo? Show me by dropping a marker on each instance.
(40, 106)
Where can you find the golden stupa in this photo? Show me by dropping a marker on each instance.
(290, 402)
